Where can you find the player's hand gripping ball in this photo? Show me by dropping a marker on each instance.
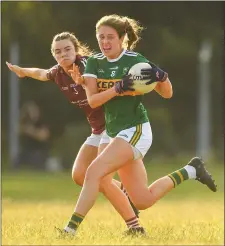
(140, 80)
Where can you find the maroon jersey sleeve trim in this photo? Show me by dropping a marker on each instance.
(51, 73)
(81, 61)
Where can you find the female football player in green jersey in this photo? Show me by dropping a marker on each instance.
(127, 124)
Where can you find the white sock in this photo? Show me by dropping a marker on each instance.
(69, 230)
(132, 223)
(191, 171)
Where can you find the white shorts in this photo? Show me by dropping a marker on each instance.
(140, 138)
(95, 139)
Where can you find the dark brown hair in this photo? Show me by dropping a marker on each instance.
(123, 25)
(80, 48)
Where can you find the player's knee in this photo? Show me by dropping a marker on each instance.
(141, 206)
(101, 188)
(104, 184)
(90, 175)
(142, 203)
(93, 173)
(78, 178)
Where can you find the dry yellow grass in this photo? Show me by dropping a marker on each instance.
(167, 223)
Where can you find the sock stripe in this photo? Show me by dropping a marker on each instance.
(79, 215)
(173, 179)
(71, 225)
(130, 220)
(184, 173)
(177, 177)
(133, 223)
(180, 175)
(74, 222)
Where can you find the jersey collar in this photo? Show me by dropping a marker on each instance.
(116, 59)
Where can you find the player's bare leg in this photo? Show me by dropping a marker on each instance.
(109, 187)
(103, 165)
(85, 156)
(144, 197)
(119, 184)
(134, 178)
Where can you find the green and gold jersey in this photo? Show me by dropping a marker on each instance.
(123, 111)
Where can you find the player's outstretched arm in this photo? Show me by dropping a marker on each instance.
(35, 73)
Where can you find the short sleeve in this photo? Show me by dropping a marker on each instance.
(51, 74)
(81, 62)
(91, 68)
(141, 58)
(144, 59)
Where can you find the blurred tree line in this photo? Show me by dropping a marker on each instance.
(172, 38)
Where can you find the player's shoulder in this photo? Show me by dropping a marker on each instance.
(83, 60)
(98, 56)
(54, 68)
(95, 59)
(135, 55)
(53, 72)
(130, 53)
(84, 57)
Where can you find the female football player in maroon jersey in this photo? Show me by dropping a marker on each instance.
(70, 55)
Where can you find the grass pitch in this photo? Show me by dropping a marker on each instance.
(34, 203)
(167, 223)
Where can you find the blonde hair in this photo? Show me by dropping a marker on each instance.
(80, 48)
(123, 25)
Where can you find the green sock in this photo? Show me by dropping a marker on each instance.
(75, 221)
(178, 176)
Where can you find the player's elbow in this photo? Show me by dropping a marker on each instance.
(93, 100)
(92, 103)
(166, 89)
(168, 94)
(43, 75)
(44, 79)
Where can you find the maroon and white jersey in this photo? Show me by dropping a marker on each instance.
(77, 95)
